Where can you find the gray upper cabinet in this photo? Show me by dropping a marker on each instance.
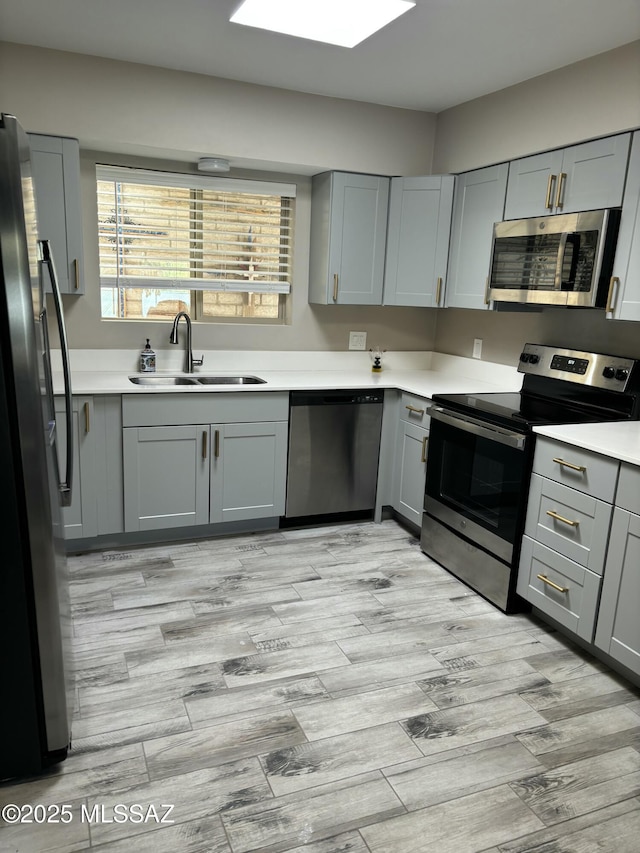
(55, 163)
(478, 204)
(625, 295)
(348, 238)
(589, 176)
(418, 240)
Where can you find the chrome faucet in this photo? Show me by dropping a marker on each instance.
(189, 360)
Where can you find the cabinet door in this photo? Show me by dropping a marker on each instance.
(80, 520)
(595, 174)
(166, 477)
(532, 185)
(410, 471)
(348, 238)
(478, 204)
(418, 240)
(55, 163)
(625, 299)
(618, 628)
(248, 471)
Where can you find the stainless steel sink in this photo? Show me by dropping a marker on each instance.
(196, 380)
(230, 380)
(162, 380)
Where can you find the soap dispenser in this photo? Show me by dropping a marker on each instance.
(147, 359)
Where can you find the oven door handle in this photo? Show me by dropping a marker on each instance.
(484, 430)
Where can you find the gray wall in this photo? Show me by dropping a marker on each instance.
(136, 112)
(168, 119)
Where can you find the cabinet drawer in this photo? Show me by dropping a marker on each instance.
(581, 469)
(574, 524)
(559, 587)
(628, 494)
(413, 410)
(214, 408)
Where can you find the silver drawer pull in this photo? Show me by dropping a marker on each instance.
(423, 455)
(561, 518)
(553, 585)
(570, 465)
(413, 409)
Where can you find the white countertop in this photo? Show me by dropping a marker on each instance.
(620, 440)
(423, 374)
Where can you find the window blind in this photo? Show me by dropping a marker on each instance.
(165, 230)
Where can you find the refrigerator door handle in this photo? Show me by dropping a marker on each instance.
(64, 487)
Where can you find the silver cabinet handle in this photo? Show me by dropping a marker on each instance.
(87, 418)
(335, 287)
(570, 464)
(423, 456)
(562, 177)
(548, 202)
(204, 444)
(216, 444)
(438, 289)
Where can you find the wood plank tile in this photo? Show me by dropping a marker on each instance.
(361, 711)
(271, 665)
(308, 816)
(186, 654)
(460, 687)
(196, 795)
(465, 825)
(442, 730)
(219, 744)
(587, 727)
(308, 765)
(347, 842)
(196, 836)
(582, 787)
(256, 699)
(423, 783)
(357, 677)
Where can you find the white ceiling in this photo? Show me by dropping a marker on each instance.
(439, 54)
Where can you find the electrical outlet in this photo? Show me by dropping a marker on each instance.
(358, 340)
(477, 347)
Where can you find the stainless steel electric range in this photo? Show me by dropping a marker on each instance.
(481, 451)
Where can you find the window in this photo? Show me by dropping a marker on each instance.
(220, 248)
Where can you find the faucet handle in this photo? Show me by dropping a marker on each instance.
(198, 362)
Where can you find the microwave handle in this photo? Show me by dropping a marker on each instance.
(562, 248)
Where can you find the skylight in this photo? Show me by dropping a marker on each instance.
(342, 22)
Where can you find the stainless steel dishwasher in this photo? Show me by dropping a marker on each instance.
(334, 442)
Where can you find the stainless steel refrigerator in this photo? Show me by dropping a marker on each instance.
(35, 629)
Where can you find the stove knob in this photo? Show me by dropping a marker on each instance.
(609, 372)
(621, 374)
(524, 357)
(533, 358)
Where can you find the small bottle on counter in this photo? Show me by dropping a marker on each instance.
(376, 359)
(147, 359)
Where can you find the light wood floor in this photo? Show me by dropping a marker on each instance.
(328, 691)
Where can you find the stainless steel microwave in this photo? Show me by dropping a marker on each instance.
(564, 259)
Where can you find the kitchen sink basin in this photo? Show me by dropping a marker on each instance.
(162, 380)
(196, 380)
(230, 380)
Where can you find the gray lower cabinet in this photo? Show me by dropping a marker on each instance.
(183, 471)
(248, 471)
(166, 477)
(97, 506)
(618, 629)
(410, 458)
(580, 558)
(55, 162)
(478, 203)
(79, 520)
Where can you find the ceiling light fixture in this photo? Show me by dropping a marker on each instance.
(342, 22)
(213, 164)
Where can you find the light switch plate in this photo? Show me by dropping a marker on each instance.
(477, 347)
(358, 340)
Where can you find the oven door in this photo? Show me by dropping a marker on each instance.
(476, 477)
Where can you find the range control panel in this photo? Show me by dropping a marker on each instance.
(587, 368)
